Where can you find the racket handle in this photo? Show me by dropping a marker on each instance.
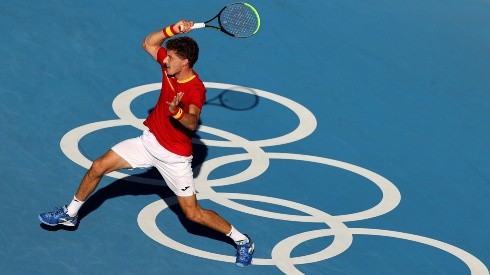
(198, 25)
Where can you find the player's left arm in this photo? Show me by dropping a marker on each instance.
(190, 119)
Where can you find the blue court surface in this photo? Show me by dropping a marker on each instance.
(345, 137)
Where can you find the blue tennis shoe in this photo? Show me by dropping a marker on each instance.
(244, 252)
(58, 216)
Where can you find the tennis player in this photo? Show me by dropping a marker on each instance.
(166, 144)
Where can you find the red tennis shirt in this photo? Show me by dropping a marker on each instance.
(169, 132)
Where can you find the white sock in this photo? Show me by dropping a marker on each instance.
(236, 236)
(74, 206)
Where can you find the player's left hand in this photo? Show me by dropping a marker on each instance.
(174, 104)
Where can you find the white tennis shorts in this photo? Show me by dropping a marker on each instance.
(145, 152)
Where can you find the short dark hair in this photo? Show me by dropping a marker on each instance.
(184, 47)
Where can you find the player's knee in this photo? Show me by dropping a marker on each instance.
(194, 215)
(98, 167)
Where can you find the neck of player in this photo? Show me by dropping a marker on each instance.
(184, 74)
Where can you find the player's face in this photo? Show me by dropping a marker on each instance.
(174, 63)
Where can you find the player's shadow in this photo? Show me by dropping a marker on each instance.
(236, 101)
(126, 187)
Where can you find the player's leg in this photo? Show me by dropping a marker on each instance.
(177, 172)
(209, 218)
(195, 213)
(68, 215)
(126, 154)
(107, 163)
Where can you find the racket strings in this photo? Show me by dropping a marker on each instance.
(239, 20)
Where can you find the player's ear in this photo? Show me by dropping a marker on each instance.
(185, 62)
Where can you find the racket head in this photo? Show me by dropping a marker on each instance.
(239, 20)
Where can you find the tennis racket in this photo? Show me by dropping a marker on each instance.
(237, 19)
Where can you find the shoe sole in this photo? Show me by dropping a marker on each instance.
(67, 223)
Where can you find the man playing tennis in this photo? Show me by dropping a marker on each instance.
(166, 144)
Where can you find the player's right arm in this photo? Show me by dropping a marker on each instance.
(153, 42)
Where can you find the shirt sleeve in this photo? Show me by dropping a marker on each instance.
(161, 54)
(198, 96)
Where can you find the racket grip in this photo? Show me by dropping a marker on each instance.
(198, 25)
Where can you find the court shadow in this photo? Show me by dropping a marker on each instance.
(127, 187)
(236, 98)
